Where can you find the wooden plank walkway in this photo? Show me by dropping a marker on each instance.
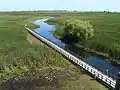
(95, 72)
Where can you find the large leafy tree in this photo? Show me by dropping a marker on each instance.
(82, 30)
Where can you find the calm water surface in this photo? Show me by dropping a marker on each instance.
(96, 61)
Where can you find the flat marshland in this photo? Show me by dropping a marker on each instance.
(36, 66)
(106, 27)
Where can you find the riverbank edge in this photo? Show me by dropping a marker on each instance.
(106, 55)
(89, 50)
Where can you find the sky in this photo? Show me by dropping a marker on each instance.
(80, 5)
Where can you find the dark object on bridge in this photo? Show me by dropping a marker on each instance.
(118, 85)
(118, 82)
(119, 74)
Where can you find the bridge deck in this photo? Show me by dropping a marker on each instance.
(98, 74)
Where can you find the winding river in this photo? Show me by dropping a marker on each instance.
(94, 60)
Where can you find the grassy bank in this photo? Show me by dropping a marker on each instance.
(29, 64)
(106, 27)
(17, 54)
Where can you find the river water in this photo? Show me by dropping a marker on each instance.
(96, 61)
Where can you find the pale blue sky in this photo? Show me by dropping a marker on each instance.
(81, 5)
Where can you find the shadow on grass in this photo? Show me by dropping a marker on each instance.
(28, 84)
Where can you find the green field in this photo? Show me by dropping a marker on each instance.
(25, 60)
(106, 29)
(17, 53)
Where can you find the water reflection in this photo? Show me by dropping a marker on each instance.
(45, 30)
(93, 60)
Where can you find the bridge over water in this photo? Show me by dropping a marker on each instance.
(104, 78)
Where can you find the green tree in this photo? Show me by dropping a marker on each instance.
(82, 30)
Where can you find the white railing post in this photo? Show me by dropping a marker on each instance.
(98, 74)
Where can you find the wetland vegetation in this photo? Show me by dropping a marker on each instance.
(28, 64)
(106, 27)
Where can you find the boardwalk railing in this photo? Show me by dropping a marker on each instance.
(98, 74)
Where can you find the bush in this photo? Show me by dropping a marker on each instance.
(78, 29)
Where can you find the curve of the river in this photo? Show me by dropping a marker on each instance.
(96, 61)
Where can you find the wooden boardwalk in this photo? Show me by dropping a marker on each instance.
(109, 81)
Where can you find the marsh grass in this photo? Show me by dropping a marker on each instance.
(17, 53)
(19, 57)
(106, 29)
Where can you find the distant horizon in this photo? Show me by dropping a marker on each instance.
(56, 11)
(69, 5)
